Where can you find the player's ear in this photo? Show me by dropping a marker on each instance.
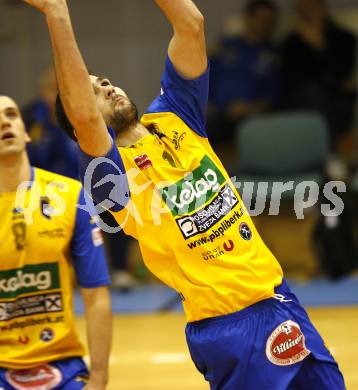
(27, 137)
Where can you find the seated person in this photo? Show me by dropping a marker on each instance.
(318, 65)
(243, 78)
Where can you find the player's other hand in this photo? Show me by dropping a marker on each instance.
(46, 6)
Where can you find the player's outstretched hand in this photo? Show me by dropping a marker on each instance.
(46, 6)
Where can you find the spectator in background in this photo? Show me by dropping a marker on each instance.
(52, 150)
(318, 64)
(244, 79)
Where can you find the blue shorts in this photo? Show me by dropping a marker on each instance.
(69, 374)
(271, 345)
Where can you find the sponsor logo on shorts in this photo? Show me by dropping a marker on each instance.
(245, 231)
(286, 345)
(208, 216)
(30, 278)
(43, 377)
(194, 190)
(281, 298)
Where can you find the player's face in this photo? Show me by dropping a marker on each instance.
(117, 109)
(311, 10)
(262, 23)
(13, 137)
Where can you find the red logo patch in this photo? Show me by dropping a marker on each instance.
(143, 161)
(23, 339)
(286, 344)
(43, 377)
(229, 246)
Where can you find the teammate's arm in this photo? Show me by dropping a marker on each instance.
(99, 334)
(92, 275)
(187, 48)
(74, 84)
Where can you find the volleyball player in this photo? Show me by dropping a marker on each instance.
(246, 330)
(43, 237)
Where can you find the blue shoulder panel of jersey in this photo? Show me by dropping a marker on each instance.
(184, 97)
(104, 179)
(87, 251)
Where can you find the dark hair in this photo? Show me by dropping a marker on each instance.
(62, 119)
(252, 5)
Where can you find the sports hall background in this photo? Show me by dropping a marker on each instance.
(126, 41)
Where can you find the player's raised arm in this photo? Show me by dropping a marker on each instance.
(187, 48)
(76, 91)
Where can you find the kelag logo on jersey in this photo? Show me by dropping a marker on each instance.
(194, 190)
(30, 278)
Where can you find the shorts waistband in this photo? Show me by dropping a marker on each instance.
(252, 309)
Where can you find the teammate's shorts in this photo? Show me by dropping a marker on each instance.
(271, 345)
(69, 374)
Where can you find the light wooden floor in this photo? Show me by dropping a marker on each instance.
(149, 351)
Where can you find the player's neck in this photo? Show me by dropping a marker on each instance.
(132, 135)
(13, 171)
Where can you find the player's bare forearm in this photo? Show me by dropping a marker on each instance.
(99, 334)
(187, 49)
(75, 87)
(182, 14)
(74, 84)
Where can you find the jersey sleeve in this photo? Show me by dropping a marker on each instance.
(104, 179)
(186, 98)
(87, 251)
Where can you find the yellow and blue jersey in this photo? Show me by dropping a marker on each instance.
(43, 235)
(178, 201)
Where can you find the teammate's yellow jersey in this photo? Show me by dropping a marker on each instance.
(42, 235)
(192, 227)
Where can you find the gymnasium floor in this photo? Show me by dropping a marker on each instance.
(149, 350)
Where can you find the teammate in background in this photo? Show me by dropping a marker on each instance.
(246, 329)
(42, 236)
(49, 149)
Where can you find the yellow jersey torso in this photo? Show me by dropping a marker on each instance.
(178, 201)
(36, 315)
(193, 229)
